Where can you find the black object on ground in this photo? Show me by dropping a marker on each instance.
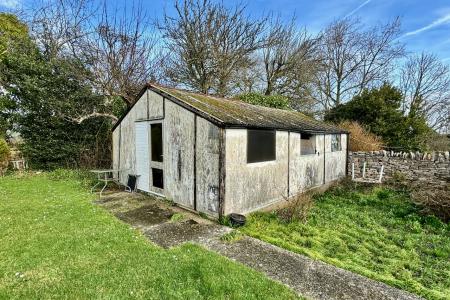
(237, 220)
(132, 182)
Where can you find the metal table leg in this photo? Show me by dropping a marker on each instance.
(93, 188)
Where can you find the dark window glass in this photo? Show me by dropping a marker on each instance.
(305, 136)
(158, 180)
(156, 140)
(260, 145)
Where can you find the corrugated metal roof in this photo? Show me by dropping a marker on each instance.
(235, 113)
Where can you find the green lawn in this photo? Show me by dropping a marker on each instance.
(376, 233)
(56, 244)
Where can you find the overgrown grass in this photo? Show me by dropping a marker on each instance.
(374, 232)
(56, 244)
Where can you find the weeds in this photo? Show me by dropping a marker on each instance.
(176, 217)
(203, 215)
(433, 201)
(225, 220)
(232, 236)
(297, 209)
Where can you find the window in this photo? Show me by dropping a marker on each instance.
(336, 142)
(157, 175)
(307, 144)
(260, 145)
(156, 140)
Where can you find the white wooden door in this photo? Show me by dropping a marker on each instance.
(142, 156)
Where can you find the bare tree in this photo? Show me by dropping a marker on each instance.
(354, 59)
(58, 26)
(209, 44)
(425, 83)
(122, 53)
(289, 58)
(117, 49)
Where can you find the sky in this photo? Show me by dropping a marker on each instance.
(425, 23)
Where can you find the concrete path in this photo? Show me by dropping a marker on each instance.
(310, 278)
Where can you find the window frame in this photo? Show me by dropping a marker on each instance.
(159, 172)
(314, 143)
(337, 142)
(159, 147)
(273, 156)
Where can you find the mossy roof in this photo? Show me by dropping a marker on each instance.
(233, 113)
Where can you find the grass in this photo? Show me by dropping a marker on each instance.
(56, 244)
(176, 217)
(374, 232)
(232, 236)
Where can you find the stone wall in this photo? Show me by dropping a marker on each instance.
(429, 167)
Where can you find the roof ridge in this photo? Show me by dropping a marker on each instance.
(235, 113)
(167, 91)
(226, 99)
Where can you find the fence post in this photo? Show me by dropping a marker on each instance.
(381, 174)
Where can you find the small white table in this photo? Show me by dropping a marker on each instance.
(106, 176)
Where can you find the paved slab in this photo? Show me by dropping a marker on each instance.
(308, 277)
(174, 234)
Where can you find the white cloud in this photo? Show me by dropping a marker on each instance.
(443, 20)
(358, 8)
(10, 3)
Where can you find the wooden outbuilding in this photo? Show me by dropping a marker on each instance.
(219, 156)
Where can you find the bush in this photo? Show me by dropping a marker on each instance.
(434, 201)
(379, 110)
(360, 138)
(4, 155)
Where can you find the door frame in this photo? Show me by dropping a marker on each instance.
(155, 164)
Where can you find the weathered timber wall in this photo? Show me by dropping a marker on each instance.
(305, 171)
(115, 147)
(183, 133)
(207, 167)
(179, 139)
(255, 185)
(149, 106)
(335, 161)
(432, 167)
(249, 187)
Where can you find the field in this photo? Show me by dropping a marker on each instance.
(56, 244)
(374, 232)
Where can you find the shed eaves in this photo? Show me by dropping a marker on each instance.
(237, 114)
